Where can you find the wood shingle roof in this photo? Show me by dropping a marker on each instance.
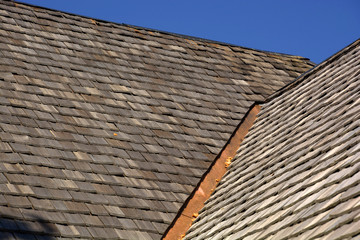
(106, 128)
(297, 173)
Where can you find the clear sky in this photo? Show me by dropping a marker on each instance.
(315, 29)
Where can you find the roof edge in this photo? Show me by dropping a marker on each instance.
(162, 31)
(311, 71)
(213, 41)
(208, 182)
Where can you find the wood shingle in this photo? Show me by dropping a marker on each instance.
(296, 174)
(106, 128)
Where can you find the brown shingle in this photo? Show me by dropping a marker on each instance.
(97, 114)
(296, 174)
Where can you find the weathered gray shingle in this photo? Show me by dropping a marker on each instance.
(296, 175)
(106, 128)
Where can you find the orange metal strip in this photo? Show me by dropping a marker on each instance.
(210, 179)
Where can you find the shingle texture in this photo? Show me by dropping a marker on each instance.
(296, 175)
(106, 128)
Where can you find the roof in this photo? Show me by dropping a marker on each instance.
(296, 174)
(106, 128)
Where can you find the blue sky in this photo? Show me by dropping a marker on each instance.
(315, 29)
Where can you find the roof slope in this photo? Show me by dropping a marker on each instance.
(105, 128)
(296, 174)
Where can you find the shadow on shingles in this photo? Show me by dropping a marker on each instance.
(37, 229)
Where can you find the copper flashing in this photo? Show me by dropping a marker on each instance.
(188, 213)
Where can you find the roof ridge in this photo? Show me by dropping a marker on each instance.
(311, 71)
(211, 41)
(185, 36)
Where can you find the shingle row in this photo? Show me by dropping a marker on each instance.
(105, 129)
(296, 175)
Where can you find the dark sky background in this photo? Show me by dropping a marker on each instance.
(315, 29)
